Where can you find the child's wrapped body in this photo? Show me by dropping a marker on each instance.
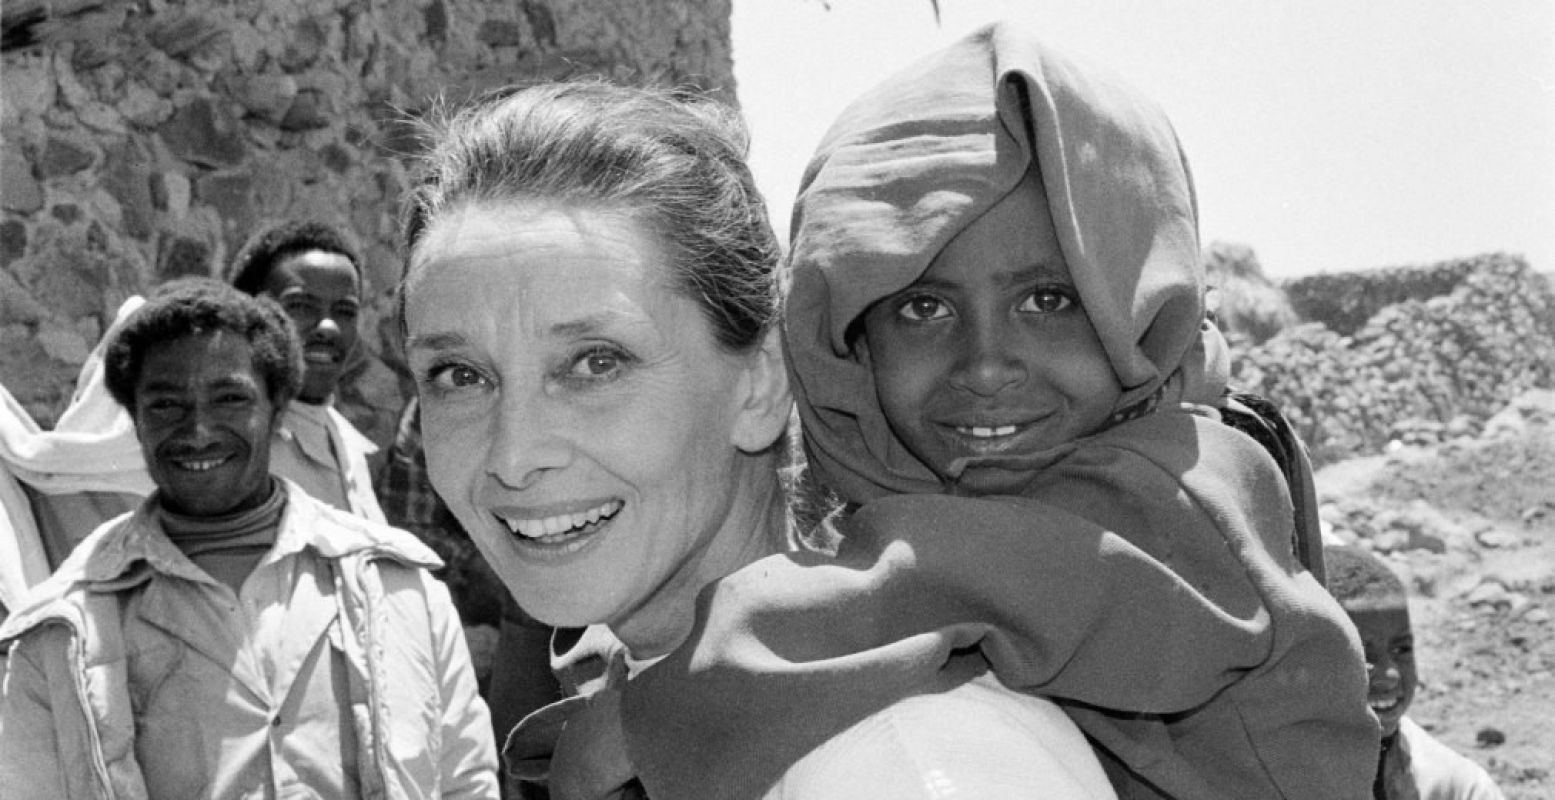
(1133, 564)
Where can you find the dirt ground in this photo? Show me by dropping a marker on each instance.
(1469, 522)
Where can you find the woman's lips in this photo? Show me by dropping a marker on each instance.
(557, 530)
(534, 525)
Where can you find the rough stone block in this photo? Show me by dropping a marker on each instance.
(63, 157)
(310, 110)
(304, 45)
(203, 133)
(268, 97)
(143, 107)
(64, 344)
(67, 213)
(127, 178)
(13, 241)
(171, 192)
(500, 33)
(179, 256)
(17, 305)
(19, 191)
(28, 89)
(231, 194)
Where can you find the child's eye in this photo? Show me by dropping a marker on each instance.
(1048, 301)
(598, 363)
(923, 307)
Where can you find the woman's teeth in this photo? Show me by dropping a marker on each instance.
(981, 432)
(562, 523)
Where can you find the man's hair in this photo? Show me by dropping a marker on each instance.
(251, 267)
(1356, 577)
(199, 306)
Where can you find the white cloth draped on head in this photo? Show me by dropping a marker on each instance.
(917, 158)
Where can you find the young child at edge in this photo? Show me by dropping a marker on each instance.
(1414, 766)
(997, 344)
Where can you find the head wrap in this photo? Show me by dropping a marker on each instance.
(916, 159)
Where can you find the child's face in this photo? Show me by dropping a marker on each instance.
(1389, 646)
(989, 353)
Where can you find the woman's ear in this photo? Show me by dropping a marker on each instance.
(763, 395)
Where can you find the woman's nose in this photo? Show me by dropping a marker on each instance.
(990, 362)
(528, 441)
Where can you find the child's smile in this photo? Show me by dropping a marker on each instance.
(990, 352)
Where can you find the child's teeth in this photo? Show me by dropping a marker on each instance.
(982, 432)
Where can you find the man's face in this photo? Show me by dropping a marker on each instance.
(204, 419)
(320, 291)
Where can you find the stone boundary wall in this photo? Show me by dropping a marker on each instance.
(1344, 301)
(142, 140)
(1418, 371)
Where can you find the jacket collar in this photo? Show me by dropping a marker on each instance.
(130, 550)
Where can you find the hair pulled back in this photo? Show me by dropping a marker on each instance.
(671, 160)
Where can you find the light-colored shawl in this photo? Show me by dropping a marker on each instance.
(916, 159)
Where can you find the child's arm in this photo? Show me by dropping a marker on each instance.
(1140, 578)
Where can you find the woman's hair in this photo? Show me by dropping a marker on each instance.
(198, 306)
(671, 160)
(259, 255)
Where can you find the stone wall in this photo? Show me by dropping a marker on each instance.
(142, 140)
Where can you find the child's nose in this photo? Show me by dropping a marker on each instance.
(1384, 673)
(989, 364)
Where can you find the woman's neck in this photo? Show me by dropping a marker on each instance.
(754, 528)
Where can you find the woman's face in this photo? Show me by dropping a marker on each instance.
(578, 416)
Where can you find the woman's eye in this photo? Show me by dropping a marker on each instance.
(923, 307)
(597, 363)
(449, 377)
(1048, 301)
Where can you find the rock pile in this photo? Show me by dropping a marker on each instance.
(1417, 371)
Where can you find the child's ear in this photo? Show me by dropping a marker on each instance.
(763, 395)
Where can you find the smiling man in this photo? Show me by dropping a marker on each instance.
(234, 637)
(313, 270)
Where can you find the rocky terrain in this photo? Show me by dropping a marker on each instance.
(1466, 514)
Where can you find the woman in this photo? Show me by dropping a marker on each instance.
(589, 307)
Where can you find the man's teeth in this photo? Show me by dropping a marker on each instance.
(562, 523)
(981, 432)
(202, 464)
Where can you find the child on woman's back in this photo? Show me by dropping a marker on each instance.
(997, 344)
(1413, 765)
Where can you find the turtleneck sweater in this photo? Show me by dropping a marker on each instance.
(227, 547)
